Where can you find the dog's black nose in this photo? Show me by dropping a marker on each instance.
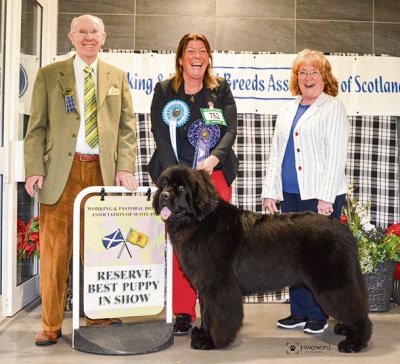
(164, 195)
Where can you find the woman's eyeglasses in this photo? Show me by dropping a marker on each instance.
(304, 74)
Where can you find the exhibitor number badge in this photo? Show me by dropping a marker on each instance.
(213, 116)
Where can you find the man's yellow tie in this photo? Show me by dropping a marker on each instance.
(91, 135)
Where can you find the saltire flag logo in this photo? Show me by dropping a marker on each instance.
(116, 238)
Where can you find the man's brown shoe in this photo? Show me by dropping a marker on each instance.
(102, 322)
(45, 338)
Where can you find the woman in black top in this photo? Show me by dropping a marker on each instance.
(194, 122)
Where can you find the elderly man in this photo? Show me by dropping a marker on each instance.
(81, 133)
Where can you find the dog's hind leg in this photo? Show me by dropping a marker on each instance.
(354, 322)
(348, 304)
(357, 335)
(222, 318)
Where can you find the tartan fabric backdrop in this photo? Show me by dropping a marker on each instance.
(372, 165)
(372, 161)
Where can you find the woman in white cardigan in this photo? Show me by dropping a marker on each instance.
(306, 166)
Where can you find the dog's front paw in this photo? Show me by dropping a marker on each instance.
(201, 339)
(349, 346)
(341, 329)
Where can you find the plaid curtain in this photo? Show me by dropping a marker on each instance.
(145, 148)
(372, 164)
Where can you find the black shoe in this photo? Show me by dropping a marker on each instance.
(315, 326)
(183, 323)
(292, 321)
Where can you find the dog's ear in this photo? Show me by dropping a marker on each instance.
(205, 199)
(159, 184)
(156, 205)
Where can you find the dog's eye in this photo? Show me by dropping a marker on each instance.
(181, 187)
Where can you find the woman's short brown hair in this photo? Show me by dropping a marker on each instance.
(319, 61)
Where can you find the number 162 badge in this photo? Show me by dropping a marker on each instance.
(213, 116)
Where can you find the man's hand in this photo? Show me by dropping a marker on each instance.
(126, 179)
(30, 183)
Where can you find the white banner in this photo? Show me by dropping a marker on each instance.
(260, 82)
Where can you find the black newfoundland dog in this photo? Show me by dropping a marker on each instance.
(227, 252)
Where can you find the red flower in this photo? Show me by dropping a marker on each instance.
(28, 238)
(29, 248)
(34, 238)
(397, 271)
(21, 233)
(394, 229)
(343, 219)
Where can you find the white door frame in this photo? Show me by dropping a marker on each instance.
(16, 297)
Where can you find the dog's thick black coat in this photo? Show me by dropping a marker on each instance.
(227, 252)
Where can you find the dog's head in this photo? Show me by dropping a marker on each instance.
(184, 195)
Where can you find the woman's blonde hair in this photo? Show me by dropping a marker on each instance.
(318, 61)
(210, 79)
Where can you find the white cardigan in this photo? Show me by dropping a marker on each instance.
(320, 144)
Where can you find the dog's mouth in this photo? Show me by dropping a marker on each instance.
(165, 213)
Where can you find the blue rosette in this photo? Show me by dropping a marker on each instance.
(175, 114)
(203, 138)
(178, 110)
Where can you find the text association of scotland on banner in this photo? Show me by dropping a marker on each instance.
(368, 85)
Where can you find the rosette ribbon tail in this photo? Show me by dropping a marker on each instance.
(175, 114)
(202, 151)
(172, 135)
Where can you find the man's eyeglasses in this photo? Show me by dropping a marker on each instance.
(92, 33)
(303, 74)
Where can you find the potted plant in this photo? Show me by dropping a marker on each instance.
(378, 251)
